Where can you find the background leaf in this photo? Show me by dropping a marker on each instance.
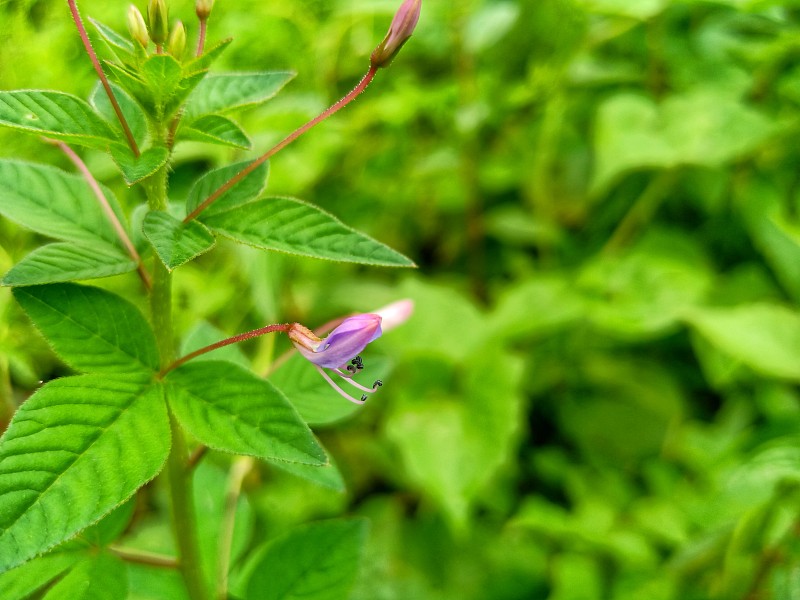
(91, 329)
(246, 190)
(295, 227)
(316, 562)
(100, 577)
(85, 478)
(229, 408)
(215, 129)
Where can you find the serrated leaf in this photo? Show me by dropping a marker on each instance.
(54, 114)
(223, 92)
(765, 337)
(246, 190)
(22, 582)
(133, 113)
(229, 408)
(136, 168)
(215, 129)
(67, 262)
(162, 75)
(202, 63)
(92, 329)
(56, 204)
(318, 561)
(99, 577)
(296, 227)
(96, 458)
(175, 242)
(185, 87)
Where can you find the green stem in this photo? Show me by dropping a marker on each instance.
(183, 515)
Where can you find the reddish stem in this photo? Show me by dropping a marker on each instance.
(362, 85)
(201, 39)
(109, 212)
(103, 79)
(226, 342)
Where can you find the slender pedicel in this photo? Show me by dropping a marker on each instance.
(109, 212)
(103, 79)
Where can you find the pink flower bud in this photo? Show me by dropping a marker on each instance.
(403, 24)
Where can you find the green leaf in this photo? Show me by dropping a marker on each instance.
(56, 204)
(91, 329)
(99, 577)
(202, 63)
(132, 83)
(176, 243)
(134, 168)
(318, 561)
(22, 582)
(100, 439)
(133, 113)
(704, 127)
(215, 129)
(229, 408)
(765, 337)
(162, 76)
(114, 39)
(54, 114)
(246, 190)
(296, 227)
(204, 334)
(67, 262)
(224, 92)
(327, 476)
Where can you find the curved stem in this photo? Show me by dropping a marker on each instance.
(109, 212)
(73, 8)
(226, 342)
(362, 85)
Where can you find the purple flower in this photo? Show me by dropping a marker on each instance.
(339, 351)
(403, 24)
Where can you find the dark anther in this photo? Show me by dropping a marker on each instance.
(378, 383)
(363, 397)
(351, 368)
(357, 362)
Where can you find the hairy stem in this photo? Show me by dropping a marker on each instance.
(201, 38)
(226, 342)
(362, 85)
(183, 515)
(109, 212)
(73, 8)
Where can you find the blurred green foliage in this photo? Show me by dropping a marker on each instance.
(597, 395)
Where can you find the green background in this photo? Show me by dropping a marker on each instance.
(596, 397)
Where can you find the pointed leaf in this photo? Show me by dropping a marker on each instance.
(162, 75)
(327, 476)
(97, 577)
(228, 91)
(176, 243)
(201, 63)
(132, 83)
(91, 329)
(54, 114)
(67, 262)
(216, 129)
(100, 439)
(313, 562)
(229, 408)
(296, 227)
(133, 113)
(246, 190)
(113, 38)
(134, 168)
(56, 204)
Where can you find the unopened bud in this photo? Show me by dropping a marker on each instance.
(137, 27)
(203, 9)
(158, 19)
(177, 40)
(403, 24)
